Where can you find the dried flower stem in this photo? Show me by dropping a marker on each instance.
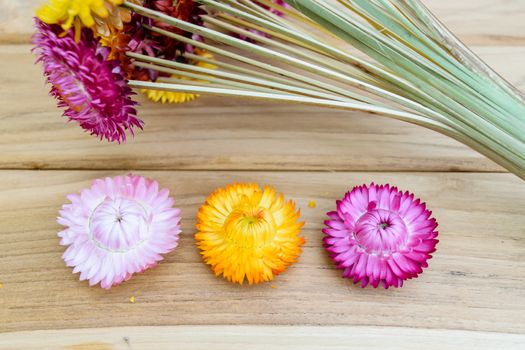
(416, 70)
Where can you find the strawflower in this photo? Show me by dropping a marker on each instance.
(179, 97)
(137, 39)
(92, 89)
(100, 15)
(106, 27)
(248, 233)
(168, 96)
(379, 235)
(117, 227)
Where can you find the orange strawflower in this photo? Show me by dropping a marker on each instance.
(248, 233)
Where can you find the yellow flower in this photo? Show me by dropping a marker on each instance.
(169, 96)
(76, 12)
(246, 232)
(179, 97)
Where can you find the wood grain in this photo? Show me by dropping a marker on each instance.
(477, 22)
(218, 133)
(259, 338)
(476, 281)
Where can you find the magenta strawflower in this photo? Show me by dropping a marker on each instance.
(93, 90)
(118, 227)
(379, 235)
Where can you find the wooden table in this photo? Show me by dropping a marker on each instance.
(471, 297)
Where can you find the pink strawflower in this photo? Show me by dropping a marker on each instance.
(118, 227)
(93, 90)
(380, 235)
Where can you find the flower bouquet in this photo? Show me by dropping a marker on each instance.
(382, 56)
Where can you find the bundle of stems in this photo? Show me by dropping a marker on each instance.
(389, 57)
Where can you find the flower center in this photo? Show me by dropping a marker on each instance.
(383, 225)
(119, 224)
(381, 232)
(250, 226)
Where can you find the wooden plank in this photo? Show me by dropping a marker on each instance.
(489, 22)
(219, 133)
(259, 338)
(476, 281)
(483, 22)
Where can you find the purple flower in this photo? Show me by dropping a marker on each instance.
(379, 235)
(93, 90)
